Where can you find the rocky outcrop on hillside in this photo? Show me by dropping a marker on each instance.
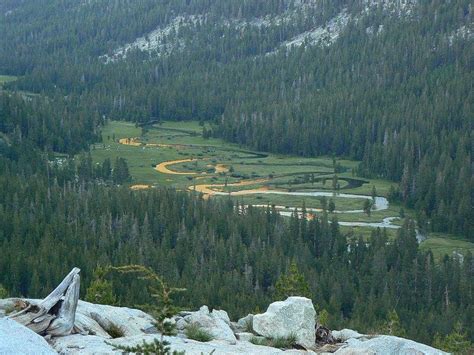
(166, 38)
(96, 325)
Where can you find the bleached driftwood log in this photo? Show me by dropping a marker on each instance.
(55, 315)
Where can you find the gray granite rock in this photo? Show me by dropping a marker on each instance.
(19, 340)
(294, 316)
(216, 323)
(345, 334)
(82, 345)
(130, 321)
(386, 345)
(245, 336)
(245, 322)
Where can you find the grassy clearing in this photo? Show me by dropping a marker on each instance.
(6, 79)
(364, 232)
(208, 152)
(442, 244)
(183, 141)
(291, 202)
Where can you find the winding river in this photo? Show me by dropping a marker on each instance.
(381, 203)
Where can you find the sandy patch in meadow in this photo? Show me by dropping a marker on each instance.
(163, 167)
(134, 142)
(221, 168)
(140, 187)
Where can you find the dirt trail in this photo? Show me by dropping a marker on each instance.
(163, 167)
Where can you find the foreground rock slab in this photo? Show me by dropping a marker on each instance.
(385, 345)
(17, 339)
(81, 345)
(131, 321)
(295, 316)
(345, 334)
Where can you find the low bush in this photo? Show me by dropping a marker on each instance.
(195, 332)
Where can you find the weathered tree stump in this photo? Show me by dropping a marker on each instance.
(55, 315)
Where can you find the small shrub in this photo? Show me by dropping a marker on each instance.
(155, 348)
(195, 332)
(100, 290)
(115, 331)
(284, 342)
(3, 292)
(323, 318)
(280, 342)
(10, 309)
(259, 341)
(249, 327)
(162, 310)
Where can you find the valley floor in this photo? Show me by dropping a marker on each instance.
(175, 154)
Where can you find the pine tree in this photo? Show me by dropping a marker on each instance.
(331, 206)
(392, 326)
(3, 292)
(164, 309)
(367, 207)
(100, 290)
(121, 174)
(293, 283)
(456, 342)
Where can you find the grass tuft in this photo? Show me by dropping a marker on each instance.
(115, 331)
(280, 342)
(259, 341)
(284, 342)
(195, 332)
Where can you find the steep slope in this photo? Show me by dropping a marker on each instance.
(301, 22)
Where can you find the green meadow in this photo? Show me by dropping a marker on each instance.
(218, 166)
(442, 244)
(6, 79)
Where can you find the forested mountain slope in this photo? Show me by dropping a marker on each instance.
(385, 82)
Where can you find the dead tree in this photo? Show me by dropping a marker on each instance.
(55, 315)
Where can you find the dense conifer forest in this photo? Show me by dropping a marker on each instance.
(226, 259)
(394, 90)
